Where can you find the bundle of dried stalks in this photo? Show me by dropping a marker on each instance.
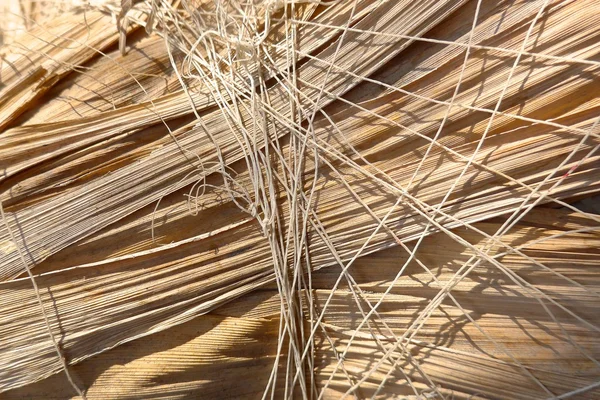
(277, 199)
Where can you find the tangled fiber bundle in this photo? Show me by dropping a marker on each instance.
(300, 199)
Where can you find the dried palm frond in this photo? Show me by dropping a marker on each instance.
(301, 199)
